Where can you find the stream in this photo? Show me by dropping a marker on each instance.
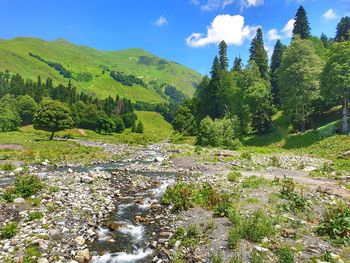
(129, 231)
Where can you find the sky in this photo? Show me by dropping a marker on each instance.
(185, 31)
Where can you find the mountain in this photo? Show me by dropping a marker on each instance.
(135, 70)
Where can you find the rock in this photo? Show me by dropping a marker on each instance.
(19, 200)
(346, 154)
(158, 159)
(44, 163)
(154, 244)
(113, 225)
(79, 240)
(86, 179)
(177, 245)
(43, 260)
(18, 170)
(83, 256)
(288, 233)
(70, 170)
(91, 232)
(12, 174)
(42, 244)
(310, 168)
(165, 234)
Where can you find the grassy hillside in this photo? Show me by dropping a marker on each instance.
(15, 57)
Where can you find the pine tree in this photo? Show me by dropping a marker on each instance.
(276, 61)
(301, 25)
(237, 65)
(223, 55)
(259, 54)
(343, 30)
(325, 40)
(214, 86)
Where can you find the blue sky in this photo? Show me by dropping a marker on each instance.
(185, 31)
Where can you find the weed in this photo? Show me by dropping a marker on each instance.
(247, 156)
(216, 258)
(256, 257)
(53, 189)
(32, 254)
(255, 182)
(27, 185)
(9, 194)
(236, 258)
(9, 230)
(188, 236)
(33, 215)
(7, 167)
(234, 176)
(285, 255)
(274, 161)
(336, 223)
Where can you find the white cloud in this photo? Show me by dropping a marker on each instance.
(329, 15)
(288, 28)
(273, 35)
(210, 5)
(161, 21)
(269, 49)
(229, 28)
(254, 2)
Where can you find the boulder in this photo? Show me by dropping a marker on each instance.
(79, 240)
(19, 200)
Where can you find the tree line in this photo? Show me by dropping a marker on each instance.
(53, 108)
(304, 79)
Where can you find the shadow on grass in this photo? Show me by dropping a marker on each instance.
(302, 140)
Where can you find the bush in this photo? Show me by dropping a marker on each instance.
(119, 124)
(224, 208)
(255, 182)
(188, 236)
(234, 176)
(104, 124)
(336, 223)
(138, 128)
(285, 255)
(9, 194)
(9, 230)
(35, 215)
(27, 185)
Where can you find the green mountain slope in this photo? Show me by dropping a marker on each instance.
(97, 65)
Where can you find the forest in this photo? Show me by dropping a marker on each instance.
(303, 80)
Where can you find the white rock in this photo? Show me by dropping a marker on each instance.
(43, 260)
(310, 168)
(19, 200)
(18, 170)
(159, 159)
(70, 170)
(80, 240)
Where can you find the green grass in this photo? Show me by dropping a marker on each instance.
(14, 57)
(36, 147)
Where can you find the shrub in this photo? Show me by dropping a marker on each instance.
(296, 202)
(225, 207)
(216, 258)
(35, 215)
(234, 176)
(7, 167)
(255, 182)
(336, 223)
(285, 255)
(27, 185)
(9, 194)
(9, 230)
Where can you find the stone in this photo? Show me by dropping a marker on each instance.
(19, 200)
(288, 233)
(79, 240)
(86, 179)
(83, 255)
(177, 245)
(310, 168)
(70, 170)
(43, 260)
(158, 159)
(18, 170)
(91, 232)
(165, 234)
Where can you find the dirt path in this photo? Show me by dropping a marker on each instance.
(326, 186)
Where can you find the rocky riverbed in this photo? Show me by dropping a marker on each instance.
(111, 211)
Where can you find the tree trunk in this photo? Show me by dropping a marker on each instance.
(345, 126)
(51, 137)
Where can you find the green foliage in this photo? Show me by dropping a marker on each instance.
(223, 55)
(33, 215)
(216, 258)
(276, 61)
(219, 133)
(139, 128)
(26, 108)
(301, 25)
(9, 194)
(225, 207)
(84, 76)
(184, 121)
(189, 236)
(119, 124)
(343, 28)
(285, 255)
(298, 78)
(104, 124)
(336, 223)
(7, 167)
(258, 53)
(253, 228)
(52, 116)
(234, 176)
(256, 257)
(182, 196)
(27, 185)
(127, 80)
(32, 254)
(335, 79)
(255, 182)
(9, 230)
(9, 117)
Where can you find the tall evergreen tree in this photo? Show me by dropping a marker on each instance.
(276, 61)
(343, 30)
(214, 86)
(301, 25)
(223, 55)
(237, 64)
(258, 53)
(325, 40)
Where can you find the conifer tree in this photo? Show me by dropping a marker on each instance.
(301, 25)
(214, 86)
(237, 65)
(276, 61)
(258, 53)
(223, 55)
(325, 40)
(343, 29)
